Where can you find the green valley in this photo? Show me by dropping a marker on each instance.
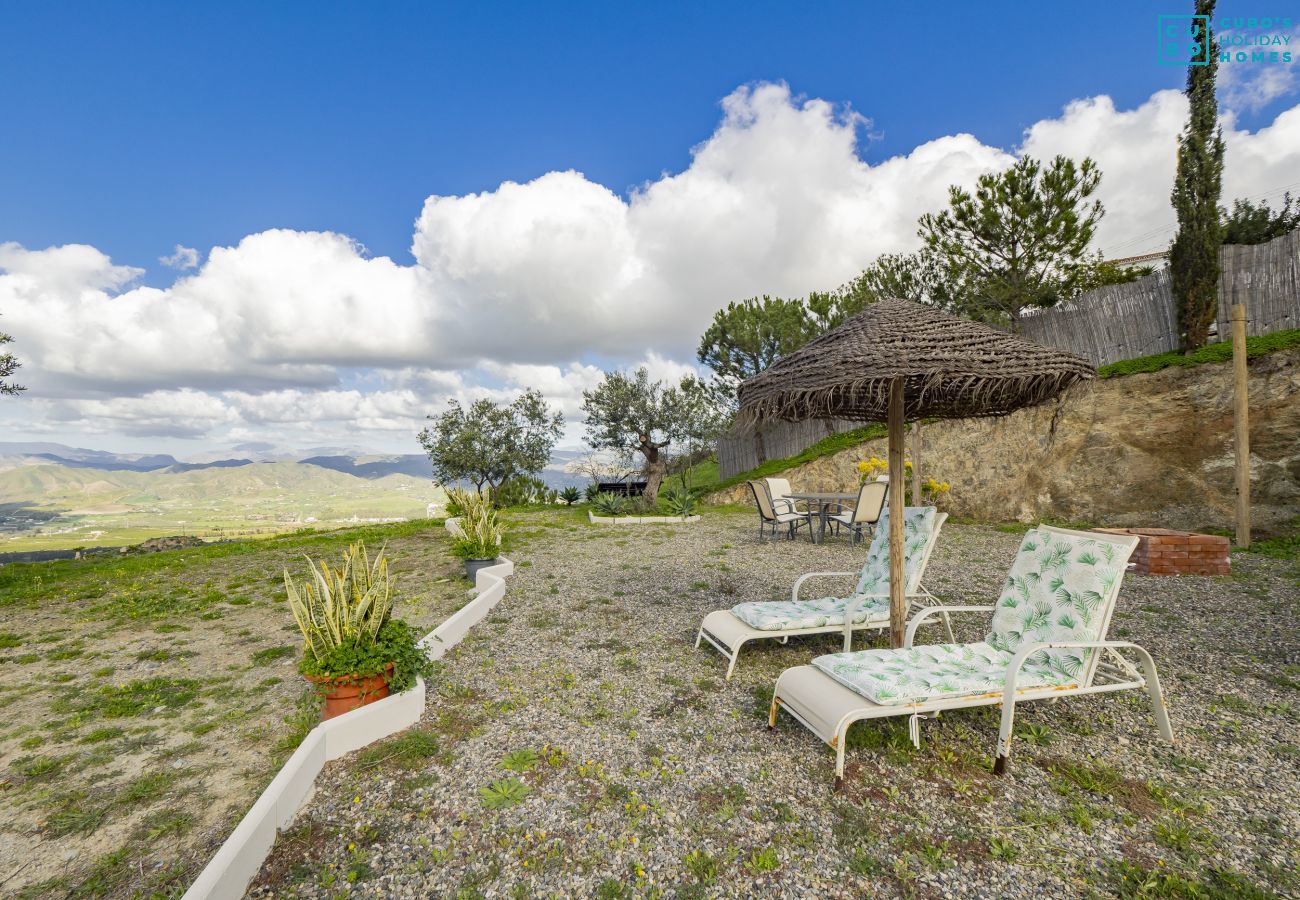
(56, 507)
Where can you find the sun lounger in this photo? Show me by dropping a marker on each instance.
(1046, 640)
(867, 607)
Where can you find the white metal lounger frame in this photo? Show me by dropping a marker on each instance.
(734, 633)
(1106, 671)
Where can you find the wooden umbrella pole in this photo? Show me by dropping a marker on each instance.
(1241, 422)
(916, 463)
(897, 482)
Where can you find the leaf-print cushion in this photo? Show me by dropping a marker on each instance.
(918, 531)
(933, 672)
(1059, 589)
(788, 615)
(873, 582)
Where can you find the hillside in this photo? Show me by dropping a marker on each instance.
(1149, 448)
(55, 506)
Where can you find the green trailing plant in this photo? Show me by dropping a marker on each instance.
(608, 504)
(345, 616)
(396, 643)
(480, 531)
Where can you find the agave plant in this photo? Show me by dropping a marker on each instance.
(341, 606)
(610, 504)
(680, 502)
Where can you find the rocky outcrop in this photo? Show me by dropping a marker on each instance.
(1153, 449)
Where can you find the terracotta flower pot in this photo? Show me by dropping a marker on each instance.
(344, 693)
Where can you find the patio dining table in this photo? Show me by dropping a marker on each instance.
(823, 500)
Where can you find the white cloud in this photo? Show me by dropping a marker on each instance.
(530, 284)
(183, 258)
(1137, 153)
(1248, 85)
(184, 413)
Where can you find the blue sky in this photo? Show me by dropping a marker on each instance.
(389, 204)
(136, 126)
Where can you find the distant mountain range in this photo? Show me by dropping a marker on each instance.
(359, 463)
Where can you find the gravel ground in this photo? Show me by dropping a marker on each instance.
(647, 774)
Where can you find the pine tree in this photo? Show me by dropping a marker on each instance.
(8, 365)
(1194, 256)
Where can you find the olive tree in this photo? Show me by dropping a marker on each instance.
(630, 414)
(699, 411)
(489, 443)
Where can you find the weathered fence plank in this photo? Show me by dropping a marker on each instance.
(1124, 321)
(1108, 325)
(742, 451)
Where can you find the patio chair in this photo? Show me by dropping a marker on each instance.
(780, 490)
(865, 513)
(770, 515)
(866, 608)
(1046, 640)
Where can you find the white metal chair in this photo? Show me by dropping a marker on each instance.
(770, 515)
(865, 513)
(1047, 639)
(866, 608)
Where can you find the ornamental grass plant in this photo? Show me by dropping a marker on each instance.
(345, 616)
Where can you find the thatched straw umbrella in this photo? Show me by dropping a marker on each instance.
(897, 361)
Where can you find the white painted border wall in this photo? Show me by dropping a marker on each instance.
(240, 858)
(638, 520)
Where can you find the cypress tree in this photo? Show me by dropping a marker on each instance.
(1194, 256)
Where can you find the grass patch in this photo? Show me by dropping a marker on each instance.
(99, 735)
(1285, 546)
(76, 816)
(164, 823)
(148, 787)
(268, 655)
(1210, 353)
(135, 698)
(1133, 882)
(825, 447)
(405, 751)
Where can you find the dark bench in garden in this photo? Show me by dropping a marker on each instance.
(625, 488)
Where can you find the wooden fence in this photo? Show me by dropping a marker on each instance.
(1110, 324)
(742, 451)
(1121, 321)
(1124, 321)
(1265, 277)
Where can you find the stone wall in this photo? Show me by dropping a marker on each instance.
(1152, 449)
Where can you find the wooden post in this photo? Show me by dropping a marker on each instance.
(1241, 421)
(916, 463)
(897, 481)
